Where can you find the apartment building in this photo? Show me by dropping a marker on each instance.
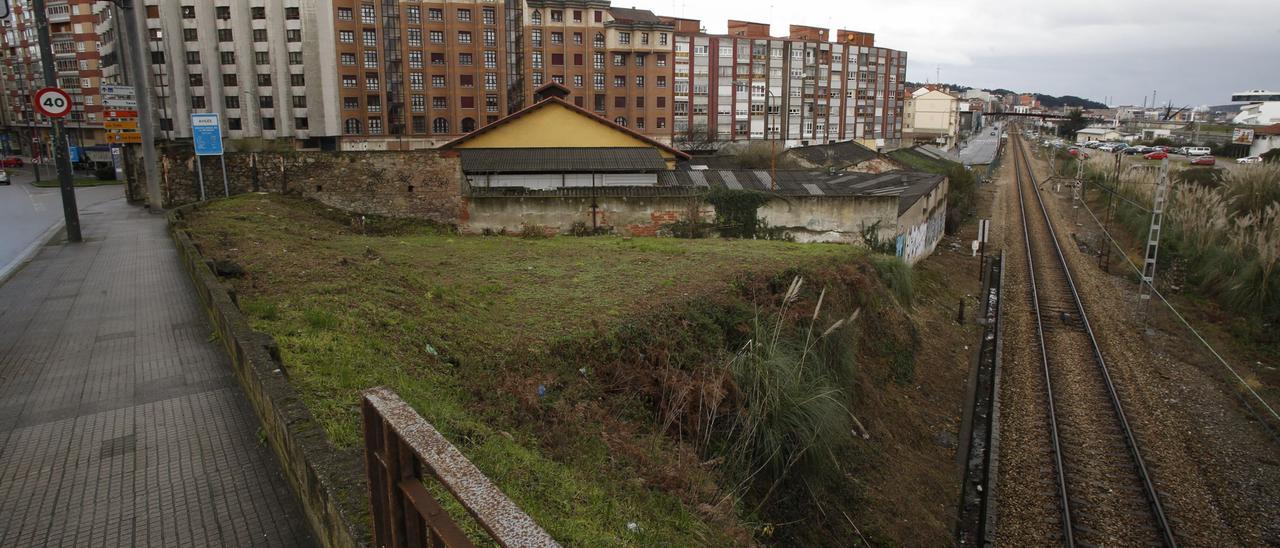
(616, 62)
(802, 89)
(267, 67)
(75, 52)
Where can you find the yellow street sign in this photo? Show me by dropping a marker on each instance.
(124, 138)
(120, 124)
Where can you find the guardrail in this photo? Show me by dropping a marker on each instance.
(401, 450)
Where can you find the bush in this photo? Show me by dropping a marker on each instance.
(1271, 156)
(736, 211)
(105, 172)
(1205, 176)
(791, 409)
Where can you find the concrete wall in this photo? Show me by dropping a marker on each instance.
(920, 227)
(808, 218)
(423, 184)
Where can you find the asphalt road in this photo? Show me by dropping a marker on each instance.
(26, 212)
(981, 148)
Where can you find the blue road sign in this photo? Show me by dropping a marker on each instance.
(206, 132)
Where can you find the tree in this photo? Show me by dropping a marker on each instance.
(1075, 122)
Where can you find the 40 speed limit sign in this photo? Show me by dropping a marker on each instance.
(52, 102)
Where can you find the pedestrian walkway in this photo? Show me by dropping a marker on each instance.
(120, 421)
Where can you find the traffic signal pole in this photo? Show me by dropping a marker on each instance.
(59, 144)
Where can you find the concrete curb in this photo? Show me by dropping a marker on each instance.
(28, 253)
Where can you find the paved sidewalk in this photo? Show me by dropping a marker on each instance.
(120, 421)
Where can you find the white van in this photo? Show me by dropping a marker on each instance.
(1197, 151)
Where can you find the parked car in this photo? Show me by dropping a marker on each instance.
(1250, 160)
(4, 177)
(1092, 144)
(1136, 150)
(1156, 155)
(1204, 161)
(1162, 148)
(12, 161)
(1197, 151)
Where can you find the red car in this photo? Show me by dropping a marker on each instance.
(12, 161)
(1203, 161)
(1157, 155)
(1078, 152)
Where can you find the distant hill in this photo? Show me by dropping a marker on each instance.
(1049, 101)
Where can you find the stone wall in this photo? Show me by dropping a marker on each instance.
(423, 184)
(330, 483)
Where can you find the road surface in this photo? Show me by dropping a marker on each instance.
(26, 212)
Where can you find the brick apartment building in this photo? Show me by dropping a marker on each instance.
(800, 90)
(72, 33)
(369, 74)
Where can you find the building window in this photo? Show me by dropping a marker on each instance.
(624, 37)
(662, 81)
(662, 41)
(299, 101)
(490, 37)
(415, 81)
(350, 103)
(221, 12)
(437, 81)
(620, 101)
(467, 80)
(258, 13)
(264, 79)
(661, 123)
(557, 59)
(229, 80)
(295, 58)
(259, 35)
(557, 16)
(440, 125)
(620, 121)
(344, 14)
(231, 101)
(366, 14)
(490, 81)
(419, 124)
(373, 103)
(619, 60)
(413, 14)
(266, 101)
(261, 58)
(197, 101)
(371, 81)
(437, 37)
(418, 103)
(301, 123)
(439, 102)
(619, 81)
(195, 80)
(557, 38)
(347, 59)
(293, 35)
(227, 57)
(348, 81)
(370, 59)
(233, 124)
(535, 37)
(224, 35)
(269, 124)
(415, 59)
(577, 38)
(464, 14)
(351, 126)
(437, 58)
(639, 81)
(489, 16)
(297, 79)
(598, 41)
(188, 12)
(464, 37)
(491, 103)
(375, 126)
(193, 58)
(468, 125)
(490, 59)
(292, 14)
(536, 60)
(347, 36)
(577, 80)
(597, 80)
(535, 17)
(415, 38)
(369, 37)
(465, 59)
(190, 35)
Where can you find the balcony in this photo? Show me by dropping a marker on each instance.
(58, 11)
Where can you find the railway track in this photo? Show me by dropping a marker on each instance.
(1104, 493)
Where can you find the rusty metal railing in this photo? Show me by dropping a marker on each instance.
(400, 447)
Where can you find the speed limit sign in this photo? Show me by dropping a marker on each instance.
(52, 102)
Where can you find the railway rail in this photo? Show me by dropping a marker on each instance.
(1104, 492)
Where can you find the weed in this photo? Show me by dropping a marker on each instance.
(898, 275)
(319, 318)
(259, 308)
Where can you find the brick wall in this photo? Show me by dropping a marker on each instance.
(420, 183)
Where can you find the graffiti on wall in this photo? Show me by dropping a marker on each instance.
(919, 240)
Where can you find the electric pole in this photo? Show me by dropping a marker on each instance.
(59, 138)
(142, 90)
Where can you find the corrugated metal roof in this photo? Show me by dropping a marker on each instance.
(730, 181)
(813, 189)
(562, 160)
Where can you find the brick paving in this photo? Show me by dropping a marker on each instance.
(120, 421)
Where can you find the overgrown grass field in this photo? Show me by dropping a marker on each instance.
(498, 340)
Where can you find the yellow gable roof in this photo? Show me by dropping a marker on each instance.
(554, 123)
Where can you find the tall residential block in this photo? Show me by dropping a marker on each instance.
(801, 89)
(75, 51)
(398, 74)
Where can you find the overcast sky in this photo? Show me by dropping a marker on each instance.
(1191, 52)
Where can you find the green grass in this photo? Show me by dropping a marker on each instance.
(78, 181)
(467, 328)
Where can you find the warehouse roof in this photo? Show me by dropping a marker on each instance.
(909, 186)
(561, 160)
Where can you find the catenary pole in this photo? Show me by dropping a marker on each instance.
(59, 138)
(142, 90)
